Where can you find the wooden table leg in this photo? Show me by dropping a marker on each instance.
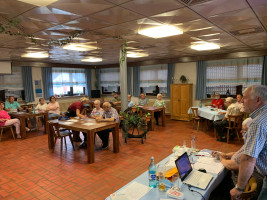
(46, 124)
(51, 141)
(163, 117)
(115, 134)
(153, 120)
(22, 127)
(90, 146)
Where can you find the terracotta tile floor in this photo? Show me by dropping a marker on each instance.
(29, 171)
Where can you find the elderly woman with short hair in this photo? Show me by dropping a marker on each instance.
(97, 111)
(159, 103)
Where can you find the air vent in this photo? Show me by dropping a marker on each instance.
(254, 30)
(193, 2)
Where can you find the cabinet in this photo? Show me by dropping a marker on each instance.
(181, 101)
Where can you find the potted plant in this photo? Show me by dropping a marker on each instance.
(134, 123)
(183, 79)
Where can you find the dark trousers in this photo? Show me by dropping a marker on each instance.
(219, 126)
(104, 135)
(71, 113)
(157, 115)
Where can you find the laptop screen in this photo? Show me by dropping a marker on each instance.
(183, 166)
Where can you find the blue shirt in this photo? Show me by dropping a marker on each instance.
(130, 104)
(256, 139)
(14, 105)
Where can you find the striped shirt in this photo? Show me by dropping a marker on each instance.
(256, 139)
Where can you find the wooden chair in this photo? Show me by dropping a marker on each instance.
(61, 134)
(250, 189)
(196, 118)
(235, 124)
(5, 127)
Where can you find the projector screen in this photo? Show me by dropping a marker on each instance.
(5, 67)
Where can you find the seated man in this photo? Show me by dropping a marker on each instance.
(116, 101)
(11, 104)
(109, 115)
(143, 101)
(130, 102)
(217, 102)
(219, 125)
(239, 102)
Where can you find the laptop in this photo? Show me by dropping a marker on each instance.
(189, 176)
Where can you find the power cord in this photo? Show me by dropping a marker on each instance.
(189, 187)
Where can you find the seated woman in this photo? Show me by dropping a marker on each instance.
(76, 108)
(217, 102)
(41, 107)
(143, 101)
(231, 161)
(130, 102)
(97, 111)
(158, 103)
(5, 119)
(53, 108)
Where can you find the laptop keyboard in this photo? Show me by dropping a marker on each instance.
(194, 177)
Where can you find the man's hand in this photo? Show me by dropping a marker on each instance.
(235, 194)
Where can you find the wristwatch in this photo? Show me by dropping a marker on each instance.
(239, 189)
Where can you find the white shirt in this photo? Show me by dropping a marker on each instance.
(233, 109)
(41, 108)
(240, 106)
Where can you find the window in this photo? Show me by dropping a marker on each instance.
(68, 81)
(223, 75)
(110, 80)
(153, 79)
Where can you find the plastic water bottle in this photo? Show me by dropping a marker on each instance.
(33, 109)
(152, 174)
(200, 104)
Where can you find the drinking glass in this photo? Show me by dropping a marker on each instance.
(176, 182)
(184, 143)
(161, 177)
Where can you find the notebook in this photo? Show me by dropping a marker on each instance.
(188, 176)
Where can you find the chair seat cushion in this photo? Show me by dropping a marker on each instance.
(64, 133)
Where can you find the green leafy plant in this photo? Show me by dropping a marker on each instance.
(183, 79)
(123, 52)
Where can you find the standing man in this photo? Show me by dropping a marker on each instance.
(239, 102)
(255, 147)
(11, 104)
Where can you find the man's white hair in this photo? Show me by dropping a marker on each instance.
(259, 91)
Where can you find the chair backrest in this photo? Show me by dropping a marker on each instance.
(54, 128)
(250, 189)
(237, 121)
(194, 112)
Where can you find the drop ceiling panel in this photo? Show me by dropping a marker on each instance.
(152, 7)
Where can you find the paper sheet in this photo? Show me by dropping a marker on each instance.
(72, 120)
(135, 191)
(88, 124)
(211, 165)
(68, 123)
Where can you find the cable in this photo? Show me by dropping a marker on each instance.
(189, 187)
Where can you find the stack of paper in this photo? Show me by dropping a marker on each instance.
(210, 164)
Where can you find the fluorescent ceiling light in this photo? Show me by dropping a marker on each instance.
(200, 29)
(205, 46)
(92, 59)
(209, 35)
(161, 31)
(79, 47)
(35, 55)
(136, 54)
(41, 3)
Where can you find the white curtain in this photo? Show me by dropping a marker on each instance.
(12, 81)
(152, 76)
(227, 74)
(64, 78)
(110, 79)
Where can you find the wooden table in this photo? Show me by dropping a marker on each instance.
(23, 115)
(152, 110)
(89, 126)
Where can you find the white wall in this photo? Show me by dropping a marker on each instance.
(190, 71)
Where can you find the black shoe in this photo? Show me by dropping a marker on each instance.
(104, 146)
(83, 145)
(221, 139)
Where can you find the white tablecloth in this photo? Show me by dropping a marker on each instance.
(209, 114)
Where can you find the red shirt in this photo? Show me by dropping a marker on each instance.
(3, 115)
(218, 103)
(76, 105)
